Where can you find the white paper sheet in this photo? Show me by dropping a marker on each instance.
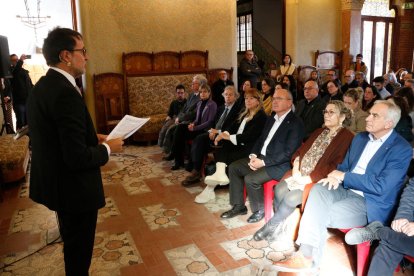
(126, 127)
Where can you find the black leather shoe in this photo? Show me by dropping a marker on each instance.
(176, 167)
(194, 177)
(235, 211)
(189, 167)
(169, 157)
(256, 216)
(266, 231)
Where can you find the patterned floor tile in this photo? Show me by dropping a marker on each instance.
(174, 177)
(112, 252)
(110, 210)
(36, 219)
(157, 217)
(189, 260)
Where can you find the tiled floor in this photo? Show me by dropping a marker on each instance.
(151, 226)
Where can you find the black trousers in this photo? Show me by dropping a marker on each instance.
(78, 234)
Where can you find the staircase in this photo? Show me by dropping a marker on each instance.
(265, 51)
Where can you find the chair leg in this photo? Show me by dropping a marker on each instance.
(268, 198)
(363, 250)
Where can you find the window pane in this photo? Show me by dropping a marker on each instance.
(389, 46)
(377, 8)
(244, 32)
(367, 44)
(379, 49)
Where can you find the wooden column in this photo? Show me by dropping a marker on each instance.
(351, 31)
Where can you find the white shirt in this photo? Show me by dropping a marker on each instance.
(276, 125)
(71, 79)
(370, 149)
(233, 137)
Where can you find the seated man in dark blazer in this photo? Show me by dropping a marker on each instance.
(66, 152)
(310, 109)
(225, 117)
(270, 158)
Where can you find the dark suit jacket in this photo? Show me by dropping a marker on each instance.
(231, 117)
(384, 175)
(189, 110)
(283, 144)
(312, 117)
(217, 90)
(21, 83)
(66, 158)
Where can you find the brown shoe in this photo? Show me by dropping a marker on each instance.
(193, 178)
(296, 263)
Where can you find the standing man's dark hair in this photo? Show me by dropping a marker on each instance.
(66, 152)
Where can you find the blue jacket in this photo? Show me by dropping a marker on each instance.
(384, 175)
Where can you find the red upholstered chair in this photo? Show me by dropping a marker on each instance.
(268, 197)
(410, 258)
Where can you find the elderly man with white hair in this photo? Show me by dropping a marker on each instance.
(364, 188)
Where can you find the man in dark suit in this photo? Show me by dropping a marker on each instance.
(364, 188)
(21, 87)
(270, 158)
(310, 109)
(218, 87)
(66, 152)
(225, 117)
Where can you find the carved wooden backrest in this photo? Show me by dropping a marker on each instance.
(166, 61)
(137, 62)
(194, 60)
(107, 86)
(328, 60)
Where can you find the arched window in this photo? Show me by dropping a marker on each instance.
(376, 40)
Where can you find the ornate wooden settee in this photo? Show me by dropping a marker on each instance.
(146, 88)
(150, 81)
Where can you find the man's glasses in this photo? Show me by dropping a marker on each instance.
(83, 51)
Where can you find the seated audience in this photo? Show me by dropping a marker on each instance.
(359, 65)
(236, 143)
(395, 241)
(364, 188)
(405, 124)
(379, 84)
(268, 88)
(334, 92)
(287, 68)
(330, 76)
(408, 77)
(310, 109)
(318, 156)
(352, 100)
(391, 83)
(360, 78)
(370, 96)
(290, 81)
(409, 83)
(224, 119)
(245, 86)
(269, 158)
(400, 75)
(175, 107)
(206, 111)
(186, 115)
(218, 87)
(314, 75)
(350, 81)
(408, 94)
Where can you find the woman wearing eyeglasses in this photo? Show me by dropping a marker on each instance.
(318, 156)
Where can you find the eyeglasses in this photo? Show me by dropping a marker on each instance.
(83, 51)
(280, 99)
(348, 76)
(308, 88)
(328, 112)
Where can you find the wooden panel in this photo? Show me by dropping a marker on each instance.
(194, 60)
(166, 61)
(137, 62)
(103, 85)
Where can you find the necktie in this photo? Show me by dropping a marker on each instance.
(220, 122)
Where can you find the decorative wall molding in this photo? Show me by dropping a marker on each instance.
(352, 4)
